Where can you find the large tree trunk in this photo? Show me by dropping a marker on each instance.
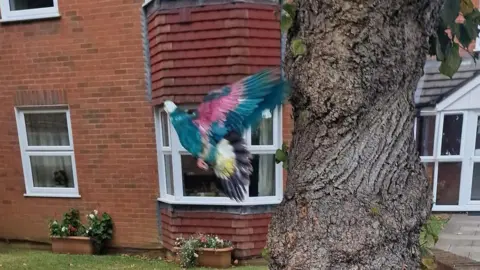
(356, 195)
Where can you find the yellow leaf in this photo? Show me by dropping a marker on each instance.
(466, 7)
(428, 263)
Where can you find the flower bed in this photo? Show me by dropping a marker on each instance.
(204, 250)
(71, 236)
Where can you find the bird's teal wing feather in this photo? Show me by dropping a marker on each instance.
(240, 105)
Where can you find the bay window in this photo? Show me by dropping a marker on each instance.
(182, 182)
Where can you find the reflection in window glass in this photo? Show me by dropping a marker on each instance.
(52, 171)
(169, 174)
(197, 182)
(452, 134)
(165, 134)
(47, 129)
(263, 135)
(29, 4)
(430, 171)
(448, 183)
(477, 138)
(425, 135)
(475, 196)
(262, 180)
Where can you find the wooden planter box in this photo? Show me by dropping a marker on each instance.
(215, 258)
(72, 245)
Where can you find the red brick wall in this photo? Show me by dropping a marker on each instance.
(92, 55)
(248, 232)
(197, 49)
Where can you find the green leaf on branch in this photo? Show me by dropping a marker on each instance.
(288, 15)
(468, 31)
(442, 42)
(452, 61)
(450, 11)
(466, 7)
(298, 47)
(280, 156)
(285, 22)
(289, 9)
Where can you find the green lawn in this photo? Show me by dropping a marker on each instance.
(45, 260)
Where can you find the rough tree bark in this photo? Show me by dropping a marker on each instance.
(356, 195)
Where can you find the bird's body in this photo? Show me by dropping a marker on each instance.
(213, 133)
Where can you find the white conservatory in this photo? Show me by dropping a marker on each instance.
(447, 131)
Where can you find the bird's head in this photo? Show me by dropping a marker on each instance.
(169, 106)
(177, 115)
(182, 121)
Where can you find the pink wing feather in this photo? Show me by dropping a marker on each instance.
(217, 109)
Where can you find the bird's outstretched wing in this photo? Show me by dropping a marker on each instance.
(235, 107)
(225, 114)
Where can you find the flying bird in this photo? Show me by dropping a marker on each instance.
(212, 133)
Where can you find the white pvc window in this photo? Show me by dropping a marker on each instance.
(181, 182)
(440, 139)
(46, 144)
(19, 10)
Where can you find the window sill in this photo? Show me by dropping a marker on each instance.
(30, 18)
(224, 203)
(46, 195)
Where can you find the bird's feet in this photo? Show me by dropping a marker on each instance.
(202, 164)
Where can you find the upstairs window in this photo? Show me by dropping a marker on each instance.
(18, 10)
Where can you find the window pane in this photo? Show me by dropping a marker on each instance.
(452, 134)
(425, 135)
(169, 174)
(29, 4)
(430, 171)
(263, 135)
(448, 183)
(52, 171)
(476, 182)
(197, 182)
(47, 129)
(164, 123)
(477, 139)
(262, 181)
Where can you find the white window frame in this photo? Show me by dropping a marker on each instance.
(27, 14)
(464, 203)
(27, 150)
(175, 149)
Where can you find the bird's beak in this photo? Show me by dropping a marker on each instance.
(169, 106)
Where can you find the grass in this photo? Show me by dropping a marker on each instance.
(12, 259)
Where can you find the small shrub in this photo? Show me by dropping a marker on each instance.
(70, 225)
(99, 230)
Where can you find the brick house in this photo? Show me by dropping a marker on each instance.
(81, 107)
(83, 86)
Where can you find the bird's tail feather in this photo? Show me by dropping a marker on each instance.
(233, 166)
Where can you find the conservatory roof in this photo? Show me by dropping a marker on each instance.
(434, 87)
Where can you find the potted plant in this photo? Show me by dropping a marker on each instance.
(205, 250)
(69, 235)
(100, 230)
